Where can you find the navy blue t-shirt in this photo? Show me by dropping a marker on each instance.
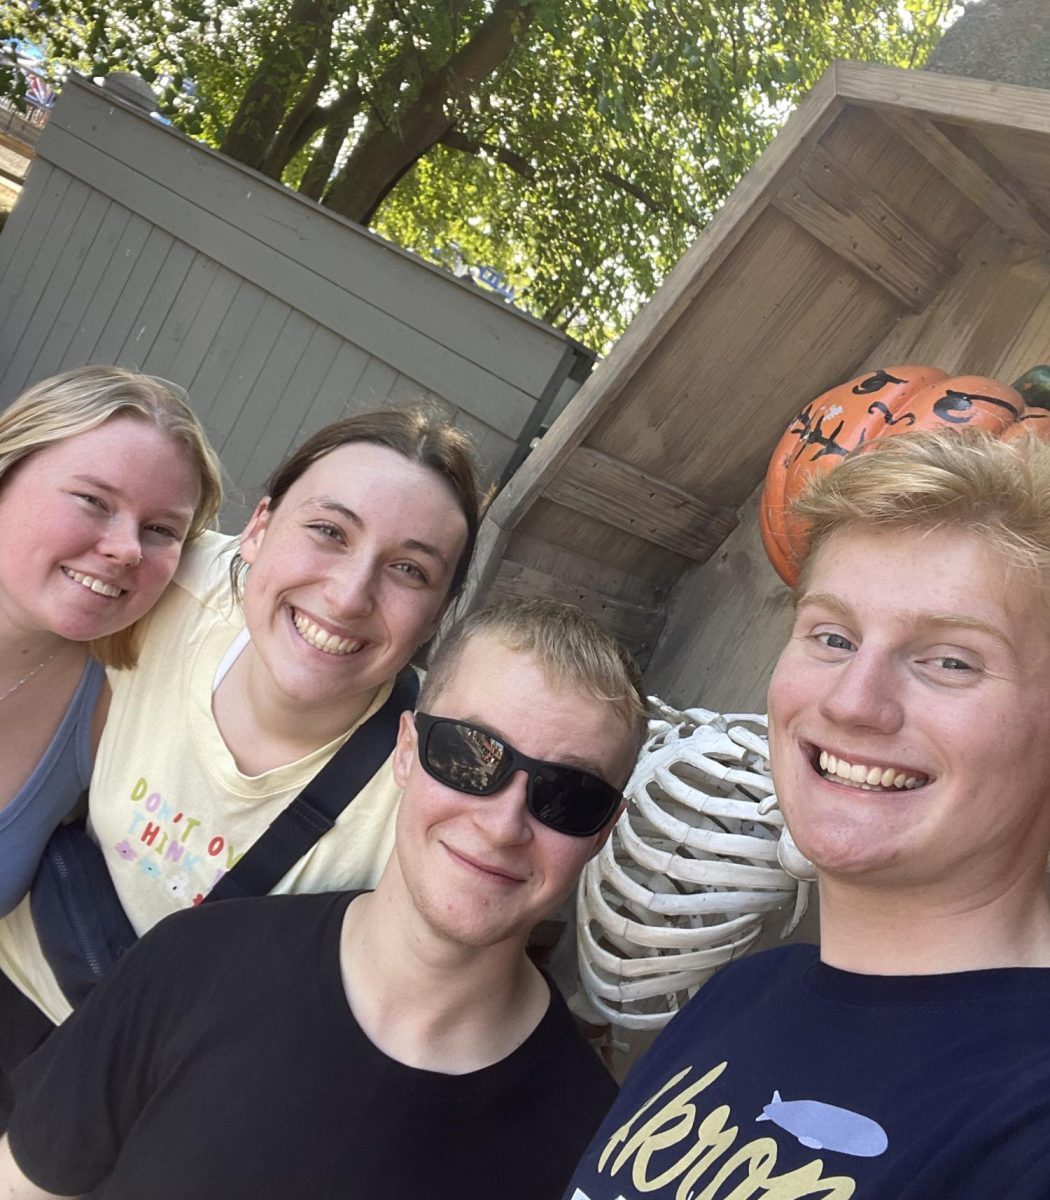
(787, 1078)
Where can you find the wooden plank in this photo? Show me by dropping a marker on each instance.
(58, 254)
(975, 325)
(150, 320)
(333, 396)
(442, 368)
(232, 394)
(494, 449)
(281, 431)
(636, 627)
(81, 296)
(614, 491)
(148, 263)
(584, 536)
(227, 339)
(727, 622)
(585, 571)
(109, 287)
(184, 304)
(373, 388)
(977, 103)
(239, 456)
(658, 317)
(485, 331)
(848, 216)
(206, 321)
(968, 166)
(31, 216)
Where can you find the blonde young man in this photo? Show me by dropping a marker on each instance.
(908, 1058)
(397, 1043)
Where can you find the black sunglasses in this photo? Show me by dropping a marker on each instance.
(478, 762)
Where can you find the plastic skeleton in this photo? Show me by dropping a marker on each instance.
(695, 864)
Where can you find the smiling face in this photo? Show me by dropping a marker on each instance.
(76, 517)
(908, 714)
(481, 869)
(349, 574)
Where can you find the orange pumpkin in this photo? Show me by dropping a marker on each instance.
(879, 404)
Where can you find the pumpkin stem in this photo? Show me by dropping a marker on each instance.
(1034, 386)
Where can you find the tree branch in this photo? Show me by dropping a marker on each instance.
(455, 139)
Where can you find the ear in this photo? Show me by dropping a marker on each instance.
(603, 835)
(404, 749)
(255, 530)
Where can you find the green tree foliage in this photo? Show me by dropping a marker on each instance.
(577, 146)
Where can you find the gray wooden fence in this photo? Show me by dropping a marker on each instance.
(133, 244)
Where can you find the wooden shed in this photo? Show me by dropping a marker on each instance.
(899, 216)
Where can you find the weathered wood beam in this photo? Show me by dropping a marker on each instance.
(845, 212)
(961, 158)
(622, 495)
(638, 628)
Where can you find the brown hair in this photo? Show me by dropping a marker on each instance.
(417, 435)
(76, 401)
(568, 644)
(959, 478)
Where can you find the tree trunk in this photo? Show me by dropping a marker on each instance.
(384, 152)
(1004, 40)
(279, 76)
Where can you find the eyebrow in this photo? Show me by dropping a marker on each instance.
(330, 504)
(946, 621)
(172, 514)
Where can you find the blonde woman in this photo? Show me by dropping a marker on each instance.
(105, 475)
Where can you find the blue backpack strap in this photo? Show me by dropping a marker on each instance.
(317, 807)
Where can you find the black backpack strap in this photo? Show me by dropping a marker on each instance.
(315, 810)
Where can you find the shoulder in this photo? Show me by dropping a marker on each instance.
(752, 983)
(204, 569)
(237, 928)
(571, 1064)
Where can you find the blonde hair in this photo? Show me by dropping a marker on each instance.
(569, 646)
(964, 479)
(84, 398)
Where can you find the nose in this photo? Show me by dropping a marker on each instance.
(121, 542)
(350, 588)
(504, 816)
(866, 693)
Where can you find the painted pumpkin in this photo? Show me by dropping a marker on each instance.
(879, 404)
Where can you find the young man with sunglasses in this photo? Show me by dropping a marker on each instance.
(397, 1043)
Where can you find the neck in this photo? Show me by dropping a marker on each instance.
(429, 1002)
(881, 931)
(23, 650)
(265, 729)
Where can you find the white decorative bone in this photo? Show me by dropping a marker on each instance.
(697, 859)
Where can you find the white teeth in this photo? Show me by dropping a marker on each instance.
(869, 778)
(321, 639)
(93, 584)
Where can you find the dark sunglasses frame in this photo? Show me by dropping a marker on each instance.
(541, 777)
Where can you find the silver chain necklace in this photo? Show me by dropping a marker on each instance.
(39, 667)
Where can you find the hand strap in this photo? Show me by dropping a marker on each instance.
(315, 810)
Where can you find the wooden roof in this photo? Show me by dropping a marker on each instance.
(857, 221)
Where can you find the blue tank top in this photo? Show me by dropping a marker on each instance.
(49, 793)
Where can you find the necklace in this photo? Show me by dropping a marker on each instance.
(39, 667)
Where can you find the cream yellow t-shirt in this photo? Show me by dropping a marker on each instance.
(169, 808)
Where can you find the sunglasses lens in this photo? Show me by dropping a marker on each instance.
(572, 801)
(467, 759)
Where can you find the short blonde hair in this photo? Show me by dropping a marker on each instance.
(568, 645)
(76, 401)
(964, 479)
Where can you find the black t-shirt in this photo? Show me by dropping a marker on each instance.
(221, 1059)
(786, 1077)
